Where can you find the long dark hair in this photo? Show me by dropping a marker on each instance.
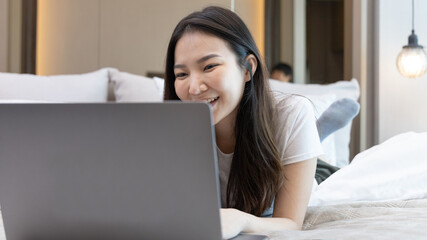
(256, 170)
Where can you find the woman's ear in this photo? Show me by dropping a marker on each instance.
(251, 62)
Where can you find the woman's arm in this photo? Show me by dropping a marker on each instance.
(289, 207)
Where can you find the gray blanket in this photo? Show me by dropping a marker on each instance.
(369, 220)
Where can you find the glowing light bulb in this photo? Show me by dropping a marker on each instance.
(412, 61)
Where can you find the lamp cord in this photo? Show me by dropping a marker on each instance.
(412, 16)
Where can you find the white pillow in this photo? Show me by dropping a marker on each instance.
(134, 88)
(340, 89)
(9, 101)
(160, 84)
(89, 87)
(393, 170)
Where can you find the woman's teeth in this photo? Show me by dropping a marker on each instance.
(211, 100)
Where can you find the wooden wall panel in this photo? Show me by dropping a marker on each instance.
(134, 34)
(76, 36)
(287, 29)
(252, 13)
(3, 34)
(67, 36)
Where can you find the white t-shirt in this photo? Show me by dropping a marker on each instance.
(296, 135)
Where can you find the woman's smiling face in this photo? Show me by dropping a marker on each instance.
(206, 69)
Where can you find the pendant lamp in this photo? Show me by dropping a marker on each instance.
(412, 60)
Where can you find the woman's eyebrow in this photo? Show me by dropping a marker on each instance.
(207, 57)
(179, 66)
(203, 59)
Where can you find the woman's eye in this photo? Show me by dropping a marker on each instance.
(180, 75)
(210, 66)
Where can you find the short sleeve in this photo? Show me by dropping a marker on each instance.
(297, 132)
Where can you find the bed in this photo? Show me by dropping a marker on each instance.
(382, 194)
(401, 219)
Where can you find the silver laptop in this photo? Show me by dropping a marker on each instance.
(109, 171)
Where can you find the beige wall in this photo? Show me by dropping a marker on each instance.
(76, 36)
(3, 34)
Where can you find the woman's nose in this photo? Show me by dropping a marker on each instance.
(197, 86)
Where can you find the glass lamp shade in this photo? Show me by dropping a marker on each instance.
(412, 61)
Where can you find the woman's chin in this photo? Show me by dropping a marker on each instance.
(215, 119)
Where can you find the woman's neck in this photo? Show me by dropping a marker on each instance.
(225, 134)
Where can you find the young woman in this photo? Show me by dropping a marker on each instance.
(267, 146)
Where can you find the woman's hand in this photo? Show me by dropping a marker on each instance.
(233, 222)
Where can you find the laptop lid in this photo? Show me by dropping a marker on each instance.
(128, 171)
